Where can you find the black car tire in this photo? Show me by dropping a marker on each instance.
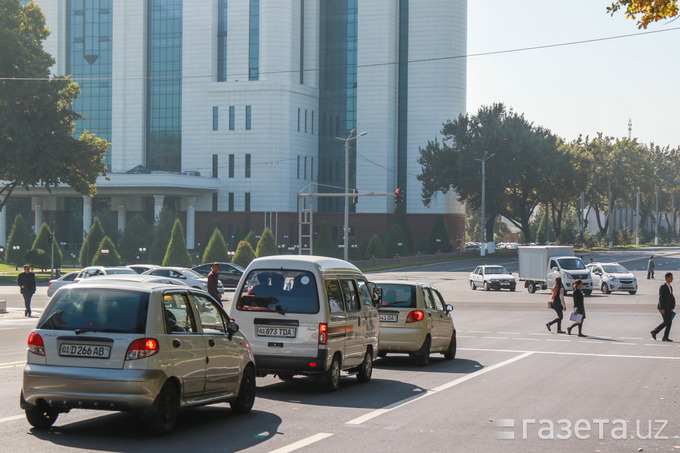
(605, 288)
(246, 392)
(531, 287)
(162, 415)
(422, 356)
(333, 375)
(42, 416)
(472, 285)
(486, 286)
(450, 353)
(366, 368)
(632, 292)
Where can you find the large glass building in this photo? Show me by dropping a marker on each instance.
(231, 108)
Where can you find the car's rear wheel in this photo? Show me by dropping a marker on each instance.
(531, 287)
(366, 367)
(42, 416)
(246, 392)
(472, 285)
(382, 354)
(162, 416)
(422, 356)
(450, 353)
(333, 374)
(605, 288)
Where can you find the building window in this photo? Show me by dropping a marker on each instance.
(214, 165)
(249, 112)
(247, 208)
(247, 165)
(231, 165)
(222, 41)
(299, 113)
(231, 201)
(312, 122)
(305, 121)
(232, 117)
(216, 116)
(254, 41)
(311, 169)
(214, 201)
(298, 167)
(302, 42)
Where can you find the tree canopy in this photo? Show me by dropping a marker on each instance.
(645, 11)
(37, 146)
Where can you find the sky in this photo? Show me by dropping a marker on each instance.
(579, 89)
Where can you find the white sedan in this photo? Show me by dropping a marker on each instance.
(492, 277)
(57, 283)
(190, 277)
(612, 277)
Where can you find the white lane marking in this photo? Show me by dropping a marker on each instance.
(528, 339)
(479, 331)
(583, 354)
(541, 334)
(12, 418)
(624, 343)
(496, 338)
(302, 443)
(508, 333)
(657, 345)
(630, 338)
(552, 339)
(466, 336)
(378, 412)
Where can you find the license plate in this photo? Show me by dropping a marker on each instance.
(389, 318)
(505, 283)
(288, 332)
(84, 350)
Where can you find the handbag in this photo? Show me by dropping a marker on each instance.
(576, 317)
(550, 303)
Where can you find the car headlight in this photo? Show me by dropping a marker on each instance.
(612, 278)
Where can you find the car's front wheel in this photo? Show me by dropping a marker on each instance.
(366, 367)
(531, 287)
(632, 292)
(472, 285)
(605, 288)
(42, 416)
(246, 392)
(487, 287)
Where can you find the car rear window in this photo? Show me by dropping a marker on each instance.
(97, 310)
(398, 296)
(280, 290)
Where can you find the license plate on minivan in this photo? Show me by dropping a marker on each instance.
(82, 350)
(288, 332)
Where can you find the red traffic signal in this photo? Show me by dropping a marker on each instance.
(398, 196)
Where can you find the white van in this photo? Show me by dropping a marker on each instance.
(308, 315)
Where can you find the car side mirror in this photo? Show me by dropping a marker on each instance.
(449, 308)
(377, 296)
(554, 269)
(232, 328)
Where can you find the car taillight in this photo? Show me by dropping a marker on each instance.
(35, 344)
(142, 348)
(415, 316)
(323, 333)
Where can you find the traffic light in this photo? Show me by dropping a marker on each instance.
(50, 238)
(398, 196)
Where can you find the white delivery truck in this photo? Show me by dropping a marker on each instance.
(539, 265)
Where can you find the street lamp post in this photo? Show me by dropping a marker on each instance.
(483, 160)
(352, 136)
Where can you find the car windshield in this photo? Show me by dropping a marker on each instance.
(571, 263)
(615, 269)
(192, 274)
(397, 295)
(280, 290)
(96, 310)
(496, 270)
(120, 271)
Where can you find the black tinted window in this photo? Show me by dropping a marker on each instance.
(279, 290)
(395, 295)
(97, 310)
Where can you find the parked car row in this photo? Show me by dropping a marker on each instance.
(129, 343)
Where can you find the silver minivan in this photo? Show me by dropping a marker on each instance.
(133, 346)
(308, 315)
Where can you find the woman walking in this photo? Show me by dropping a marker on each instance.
(558, 304)
(579, 309)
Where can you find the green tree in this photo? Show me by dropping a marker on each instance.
(244, 254)
(20, 236)
(37, 146)
(375, 248)
(438, 239)
(138, 234)
(166, 219)
(177, 253)
(251, 239)
(216, 250)
(42, 242)
(266, 246)
(106, 255)
(394, 238)
(649, 11)
(363, 246)
(207, 236)
(92, 240)
(400, 218)
(323, 245)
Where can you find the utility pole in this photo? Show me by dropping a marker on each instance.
(483, 161)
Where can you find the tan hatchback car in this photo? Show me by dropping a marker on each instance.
(414, 319)
(132, 346)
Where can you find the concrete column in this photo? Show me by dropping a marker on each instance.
(121, 215)
(191, 222)
(157, 206)
(87, 214)
(38, 211)
(3, 226)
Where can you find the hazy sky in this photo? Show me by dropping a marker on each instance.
(581, 88)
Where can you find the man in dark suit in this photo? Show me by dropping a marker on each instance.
(666, 307)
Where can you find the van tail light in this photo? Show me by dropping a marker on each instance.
(141, 349)
(323, 333)
(35, 344)
(415, 316)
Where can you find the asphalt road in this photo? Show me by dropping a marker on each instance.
(513, 386)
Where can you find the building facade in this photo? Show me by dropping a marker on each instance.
(230, 108)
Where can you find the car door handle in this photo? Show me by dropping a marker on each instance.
(211, 342)
(176, 343)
